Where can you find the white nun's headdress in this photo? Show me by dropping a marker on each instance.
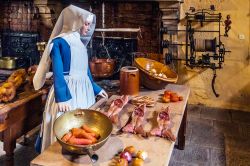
(71, 19)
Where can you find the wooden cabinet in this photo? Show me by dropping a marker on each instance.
(19, 117)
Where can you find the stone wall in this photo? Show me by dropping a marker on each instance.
(41, 15)
(133, 15)
(29, 16)
(19, 16)
(145, 16)
(233, 81)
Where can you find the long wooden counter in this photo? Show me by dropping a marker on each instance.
(159, 149)
(20, 116)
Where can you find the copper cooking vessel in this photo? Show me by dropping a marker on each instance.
(12, 62)
(101, 67)
(150, 80)
(129, 81)
(75, 119)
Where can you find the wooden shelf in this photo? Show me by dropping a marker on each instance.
(117, 29)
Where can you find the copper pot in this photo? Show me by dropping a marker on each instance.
(74, 119)
(129, 81)
(102, 67)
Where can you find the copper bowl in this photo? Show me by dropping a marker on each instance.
(102, 67)
(150, 80)
(75, 119)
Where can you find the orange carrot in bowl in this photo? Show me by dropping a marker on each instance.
(76, 132)
(89, 130)
(80, 133)
(67, 136)
(89, 136)
(79, 141)
(92, 134)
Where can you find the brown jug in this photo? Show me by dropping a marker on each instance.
(129, 81)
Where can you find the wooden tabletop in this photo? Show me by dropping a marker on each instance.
(22, 97)
(159, 150)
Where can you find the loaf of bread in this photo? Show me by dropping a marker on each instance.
(31, 73)
(18, 77)
(7, 91)
(9, 87)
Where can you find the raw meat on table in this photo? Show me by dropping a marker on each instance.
(116, 107)
(137, 118)
(163, 129)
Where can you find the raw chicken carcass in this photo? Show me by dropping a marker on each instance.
(163, 128)
(116, 107)
(137, 117)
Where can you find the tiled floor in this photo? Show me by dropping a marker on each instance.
(211, 135)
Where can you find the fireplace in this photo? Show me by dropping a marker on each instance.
(117, 48)
(21, 45)
(148, 16)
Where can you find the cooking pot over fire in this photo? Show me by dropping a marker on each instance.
(102, 67)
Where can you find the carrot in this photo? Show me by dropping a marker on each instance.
(76, 132)
(79, 141)
(89, 130)
(67, 136)
(88, 136)
(92, 134)
(80, 133)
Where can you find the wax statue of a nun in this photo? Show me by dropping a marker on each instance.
(73, 84)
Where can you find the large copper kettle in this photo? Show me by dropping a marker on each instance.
(129, 81)
(102, 67)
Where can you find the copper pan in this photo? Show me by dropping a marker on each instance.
(102, 67)
(75, 119)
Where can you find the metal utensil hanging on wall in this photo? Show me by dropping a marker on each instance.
(102, 67)
(98, 65)
(103, 33)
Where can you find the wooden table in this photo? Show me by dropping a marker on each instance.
(159, 149)
(20, 116)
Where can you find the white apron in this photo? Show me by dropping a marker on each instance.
(79, 85)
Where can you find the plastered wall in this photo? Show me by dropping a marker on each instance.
(233, 81)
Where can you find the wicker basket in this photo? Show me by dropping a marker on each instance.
(151, 81)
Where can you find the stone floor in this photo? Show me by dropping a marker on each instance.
(214, 138)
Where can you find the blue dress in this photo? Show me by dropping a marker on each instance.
(72, 82)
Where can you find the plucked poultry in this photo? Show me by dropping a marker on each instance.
(163, 129)
(137, 118)
(116, 107)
